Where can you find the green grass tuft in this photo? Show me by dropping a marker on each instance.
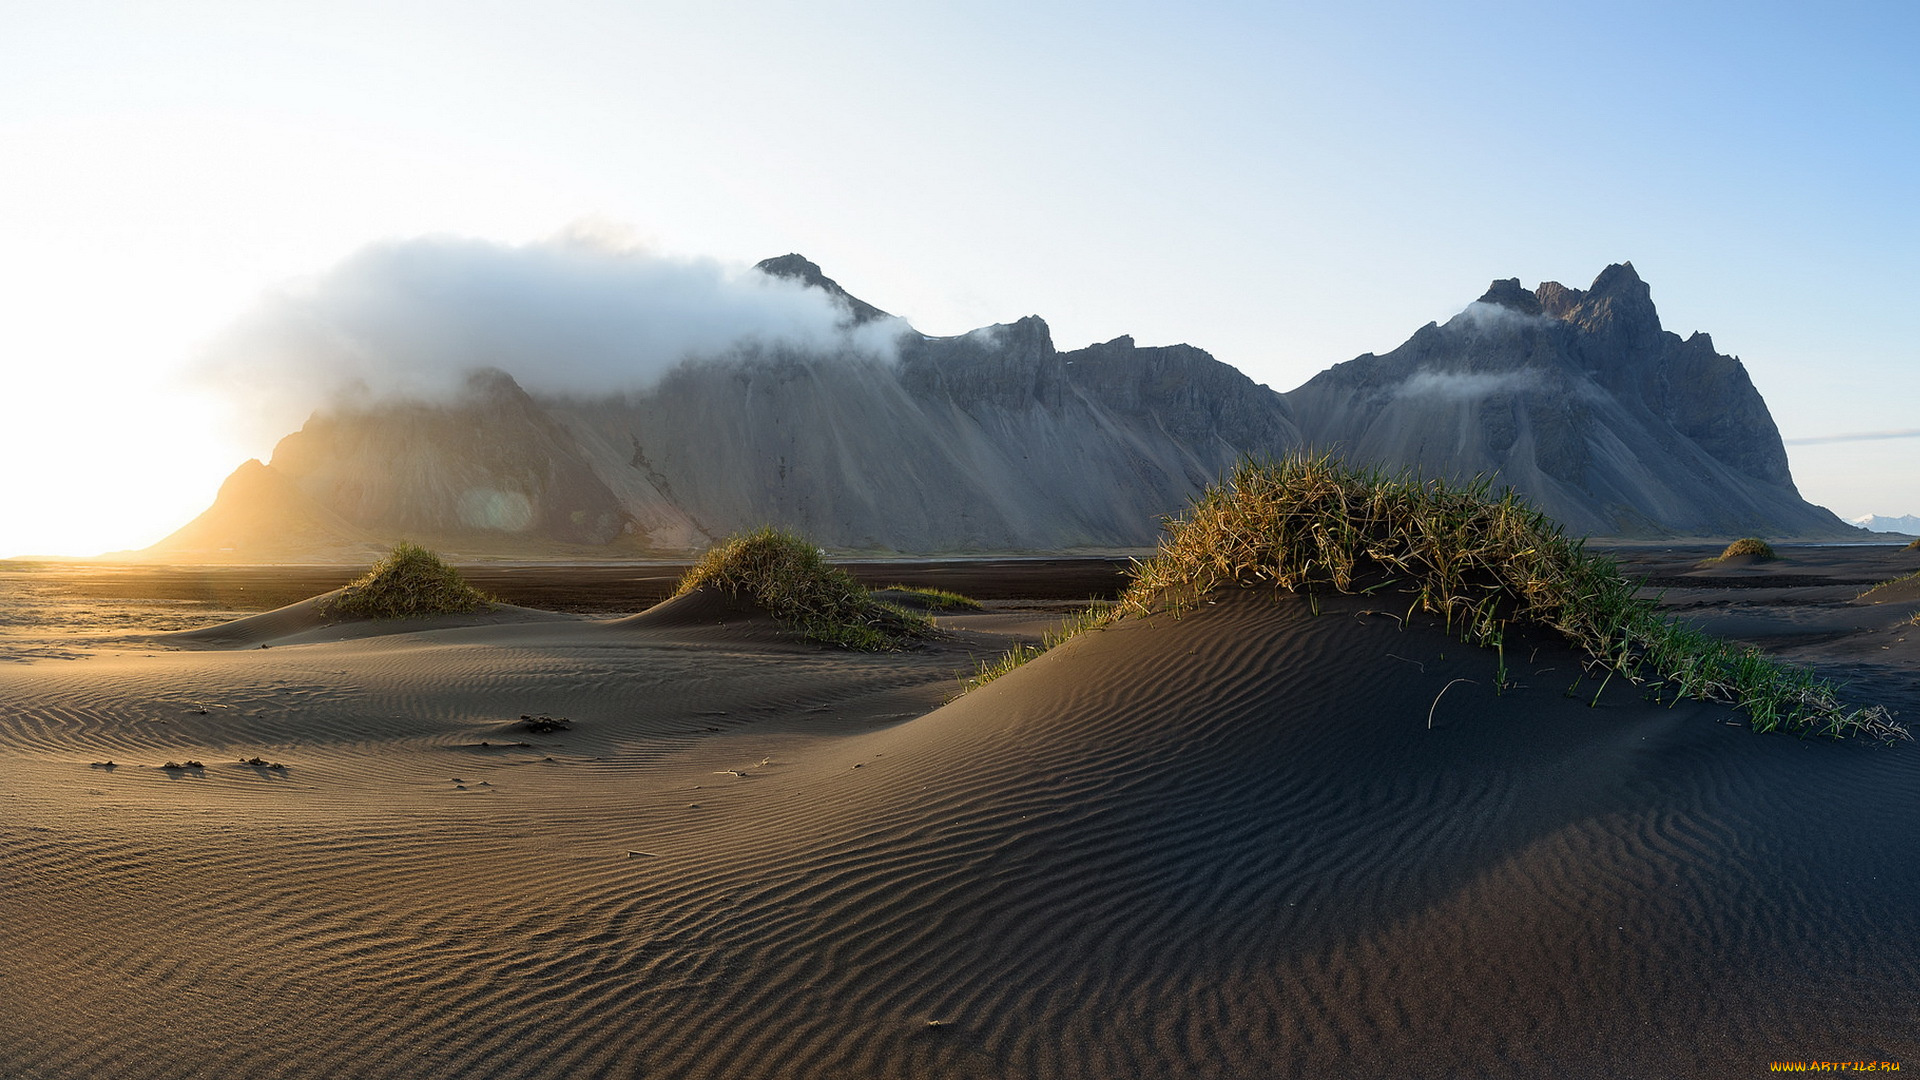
(1482, 564)
(936, 599)
(1093, 617)
(408, 582)
(1751, 545)
(1913, 544)
(790, 578)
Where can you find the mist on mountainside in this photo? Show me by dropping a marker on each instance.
(579, 315)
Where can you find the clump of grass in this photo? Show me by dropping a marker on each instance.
(1751, 545)
(936, 599)
(1479, 562)
(1093, 617)
(790, 578)
(408, 582)
(1891, 589)
(1913, 544)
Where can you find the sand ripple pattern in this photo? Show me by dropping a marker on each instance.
(1221, 846)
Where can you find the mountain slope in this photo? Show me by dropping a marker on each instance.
(1580, 400)
(996, 441)
(991, 441)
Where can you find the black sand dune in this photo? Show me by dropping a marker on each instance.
(1253, 841)
(309, 621)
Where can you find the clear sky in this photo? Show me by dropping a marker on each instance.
(1284, 185)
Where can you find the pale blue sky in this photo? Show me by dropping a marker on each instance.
(1284, 185)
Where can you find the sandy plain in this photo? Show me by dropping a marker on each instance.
(1273, 837)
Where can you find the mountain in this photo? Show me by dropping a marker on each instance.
(1906, 525)
(263, 513)
(1579, 399)
(989, 441)
(997, 441)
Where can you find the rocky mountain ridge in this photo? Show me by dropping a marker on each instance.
(997, 441)
(1580, 400)
(1899, 525)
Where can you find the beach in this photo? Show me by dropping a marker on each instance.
(1273, 836)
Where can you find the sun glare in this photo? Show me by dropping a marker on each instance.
(108, 464)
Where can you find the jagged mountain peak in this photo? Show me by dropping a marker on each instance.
(1508, 293)
(1618, 305)
(804, 270)
(1579, 398)
(1575, 397)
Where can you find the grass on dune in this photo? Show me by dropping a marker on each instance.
(1751, 545)
(1892, 587)
(1096, 615)
(935, 599)
(408, 582)
(788, 576)
(1483, 564)
(1914, 544)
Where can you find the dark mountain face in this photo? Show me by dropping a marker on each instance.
(1579, 400)
(990, 441)
(799, 268)
(996, 441)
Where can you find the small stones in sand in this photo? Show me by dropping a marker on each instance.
(182, 766)
(543, 724)
(101, 765)
(505, 745)
(262, 763)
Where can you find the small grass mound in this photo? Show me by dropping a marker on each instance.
(790, 578)
(1913, 544)
(1481, 564)
(408, 582)
(935, 599)
(1751, 546)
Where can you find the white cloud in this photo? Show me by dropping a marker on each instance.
(1466, 386)
(585, 313)
(1480, 315)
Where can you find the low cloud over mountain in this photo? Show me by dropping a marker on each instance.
(504, 409)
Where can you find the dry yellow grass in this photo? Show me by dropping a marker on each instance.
(408, 582)
(788, 575)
